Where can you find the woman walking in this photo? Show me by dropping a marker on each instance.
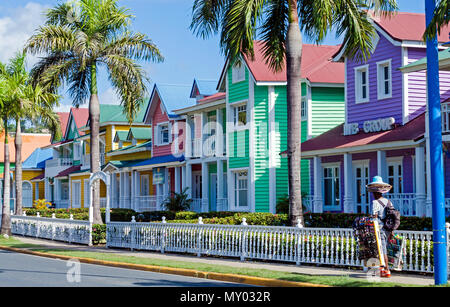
(379, 205)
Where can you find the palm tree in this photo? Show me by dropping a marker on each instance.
(31, 102)
(441, 18)
(77, 40)
(278, 23)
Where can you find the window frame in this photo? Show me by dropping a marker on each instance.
(238, 72)
(158, 130)
(304, 108)
(381, 81)
(358, 84)
(237, 189)
(235, 115)
(337, 204)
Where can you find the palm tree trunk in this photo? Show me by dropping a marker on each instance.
(94, 119)
(18, 167)
(6, 217)
(293, 64)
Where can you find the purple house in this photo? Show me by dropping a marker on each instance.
(384, 131)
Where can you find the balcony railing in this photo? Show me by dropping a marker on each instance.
(196, 148)
(404, 202)
(445, 114)
(86, 161)
(58, 162)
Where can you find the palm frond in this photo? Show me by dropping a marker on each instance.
(207, 16)
(441, 18)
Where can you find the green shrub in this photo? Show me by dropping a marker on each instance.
(98, 234)
(178, 201)
(186, 215)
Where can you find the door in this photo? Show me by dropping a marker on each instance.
(361, 175)
(197, 186)
(27, 194)
(87, 194)
(213, 192)
(76, 194)
(395, 177)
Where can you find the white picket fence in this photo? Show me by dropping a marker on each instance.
(324, 246)
(66, 230)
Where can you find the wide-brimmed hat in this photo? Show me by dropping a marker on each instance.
(377, 185)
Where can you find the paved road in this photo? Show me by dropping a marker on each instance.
(20, 270)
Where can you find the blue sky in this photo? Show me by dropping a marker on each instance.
(166, 22)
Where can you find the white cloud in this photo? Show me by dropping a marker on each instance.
(17, 27)
(109, 97)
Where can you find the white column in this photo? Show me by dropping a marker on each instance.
(177, 179)
(112, 189)
(202, 138)
(166, 188)
(188, 139)
(349, 203)
(188, 179)
(220, 184)
(381, 164)
(318, 198)
(183, 177)
(133, 190)
(121, 189)
(420, 181)
(219, 133)
(205, 187)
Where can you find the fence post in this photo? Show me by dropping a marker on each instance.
(53, 226)
(298, 243)
(70, 230)
(199, 237)
(243, 239)
(163, 235)
(133, 232)
(38, 228)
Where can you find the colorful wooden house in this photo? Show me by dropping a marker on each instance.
(384, 129)
(254, 110)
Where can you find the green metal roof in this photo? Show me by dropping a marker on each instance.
(140, 133)
(145, 144)
(120, 136)
(444, 61)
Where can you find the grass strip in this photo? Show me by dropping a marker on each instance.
(337, 281)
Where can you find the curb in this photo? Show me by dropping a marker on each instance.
(241, 279)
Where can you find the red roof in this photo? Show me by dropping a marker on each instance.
(316, 65)
(69, 170)
(81, 116)
(216, 96)
(407, 26)
(63, 118)
(334, 138)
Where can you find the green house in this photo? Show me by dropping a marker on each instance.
(256, 127)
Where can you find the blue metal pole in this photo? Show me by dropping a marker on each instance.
(435, 155)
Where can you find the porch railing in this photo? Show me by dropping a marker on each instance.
(199, 205)
(71, 231)
(146, 203)
(404, 202)
(324, 246)
(222, 204)
(62, 203)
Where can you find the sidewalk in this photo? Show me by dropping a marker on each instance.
(397, 277)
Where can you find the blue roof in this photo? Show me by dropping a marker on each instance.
(160, 160)
(205, 87)
(175, 96)
(37, 158)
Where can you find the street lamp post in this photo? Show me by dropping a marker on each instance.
(435, 154)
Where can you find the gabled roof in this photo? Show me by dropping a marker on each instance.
(37, 158)
(146, 146)
(402, 28)
(79, 116)
(68, 171)
(203, 88)
(315, 66)
(172, 96)
(114, 113)
(139, 133)
(120, 136)
(215, 97)
(63, 119)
